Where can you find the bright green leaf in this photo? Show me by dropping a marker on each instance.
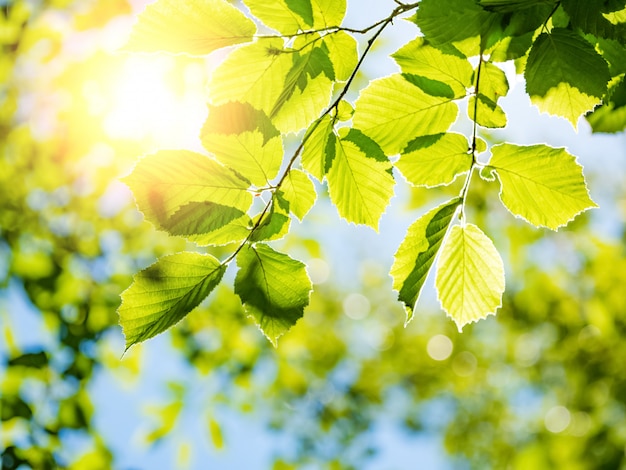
(164, 182)
(342, 51)
(553, 74)
(165, 292)
(328, 13)
(275, 223)
(319, 149)
(543, 185)
(273, 287)
(285, 16)
(486, 112)
(433, 160)
(196, 27)
(417, 252)
(470, 275)
(298, 190)
(445, 64)
(236, 118)
(360, 182)
(392, 111)
(248, 154)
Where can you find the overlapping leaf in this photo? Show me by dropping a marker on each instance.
(319, 148)
(433, 160)
(166, 183)
(445, 64)
(392, 111)
(165, 292)
(553, 74)
(417, 252)
(290, 16)
(196, 27)
(543, 185)
(342, 51)
(273, 287)
(360, 182)
(299, 192)
(470, 275)
(484, 108)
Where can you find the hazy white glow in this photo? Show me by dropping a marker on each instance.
(439, 347)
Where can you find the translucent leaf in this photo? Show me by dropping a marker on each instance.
(470, 275)
(493, 81)
(593, 17)
(328, 13)
(306, 91)
(360, 182)
(445, 64)
(486, 112)
(165, 292)
(433, 160)
(417, 252)
(342, 51)
(275, 223)
(196, 27)
(164, 182)
(543, 185)
(250, 74)
(392, 111)
(273, 287)
(299, 192)
(248, 154)
(319, 149)
(236, 118)
(285, 16)
(553, 74)
(209, 223)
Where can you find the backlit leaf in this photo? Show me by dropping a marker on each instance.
(553, 74)
(319, 149)
(417, 252)
(298, 190)
(285, 16)
(360, 182)
(165, 292)
(342, 51)
(470, 275)
(445, 64)
(485, 112)
(543, 185)
(433, 160)
(196, 27)
(164, 182)
(392, 111)
(273, 287)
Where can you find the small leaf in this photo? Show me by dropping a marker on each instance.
(285, 16)
(275, 224)
(196, 27)
(417, 252)
(165, 292)
(434, 160)
(486, 112)
(470, 275)
(164, 182)
(360, 181)
(553, 74)
(298, 190)
(236, 118)
(343, 54)
(273, 287)
(543, 185)
(392, 111)
(320, 148)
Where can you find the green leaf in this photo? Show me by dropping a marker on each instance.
(164, 182)
(165, 292)
(273, 287)
(209, 223)
(553, 74)
(434, 160)
(285, 16)
(248, 154)
(306, 91)
(328, 13)
(299, 192)
(236, 118)
(417, 252)
(543, 185)
(360, 182)
(275, 223)
(592, 17)
(320, 148)
(392, 111)
(342, 51)
(470, 275)
(445, 64)
(486, 112)
(493, 82)
(196, 27)
(250, 75)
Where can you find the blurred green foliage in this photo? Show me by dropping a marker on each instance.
(542, 385)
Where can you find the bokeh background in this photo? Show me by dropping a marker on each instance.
(540, 385)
